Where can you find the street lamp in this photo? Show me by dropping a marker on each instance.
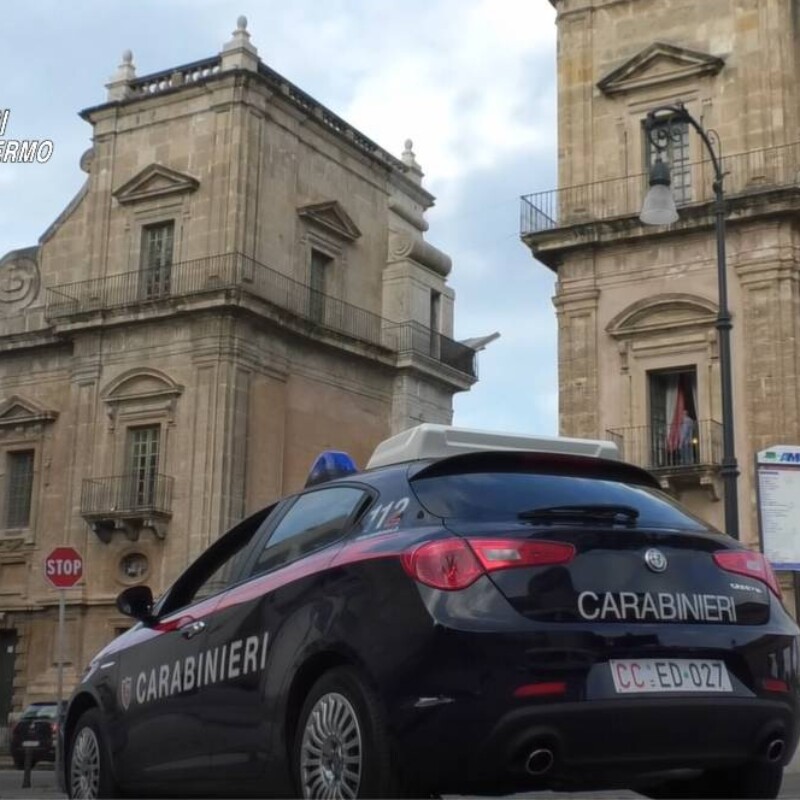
(659, 209)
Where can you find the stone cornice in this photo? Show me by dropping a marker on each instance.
(577, 300)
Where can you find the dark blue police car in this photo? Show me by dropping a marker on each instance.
(472, 613)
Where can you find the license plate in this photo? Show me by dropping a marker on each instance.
(634, 676)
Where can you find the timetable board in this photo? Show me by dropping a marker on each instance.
(778, 493)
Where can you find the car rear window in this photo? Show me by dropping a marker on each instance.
(42, 712)
(505, 494)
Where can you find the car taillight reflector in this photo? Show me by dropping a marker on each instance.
(775, 685)
(541, 689)
(505, 553)
(753, 565)
(458, 563)
(443, 564)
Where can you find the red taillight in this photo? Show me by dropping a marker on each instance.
(541, 689)
(456, 564)
(505, 553)
(443, 564)
(775, 685)
(753, 565)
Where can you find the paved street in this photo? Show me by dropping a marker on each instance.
(43, 786)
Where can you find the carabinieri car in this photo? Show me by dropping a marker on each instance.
(472, 613)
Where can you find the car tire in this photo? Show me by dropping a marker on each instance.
(89, 773)
(342, 741)
(749, 782)
(19, 761)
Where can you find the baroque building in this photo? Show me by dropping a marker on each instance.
(637, 305)
(242, 282)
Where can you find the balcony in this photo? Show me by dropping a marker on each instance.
(751, 175)
(130, 503)
(676, 465)
(234, 274)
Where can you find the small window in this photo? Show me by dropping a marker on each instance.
(134, 567)
(675, 139)
(19, 476)
(436, 311)
(316, 520)
(435, 323)
(156, 260)
(319, 278)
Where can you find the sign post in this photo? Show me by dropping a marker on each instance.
(778, 496)
(63, 568)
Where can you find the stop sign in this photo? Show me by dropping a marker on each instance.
(63, 567)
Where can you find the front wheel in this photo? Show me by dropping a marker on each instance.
(341, 747)
(89, 773)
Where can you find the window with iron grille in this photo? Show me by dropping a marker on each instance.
(156, 260)
(19, 476)
(675, 138)
(141, 482)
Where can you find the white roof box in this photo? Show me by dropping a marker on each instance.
(439, 441)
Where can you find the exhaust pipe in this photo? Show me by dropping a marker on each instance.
(775, 749)
(540, 761)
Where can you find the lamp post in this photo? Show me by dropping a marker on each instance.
(659, 209)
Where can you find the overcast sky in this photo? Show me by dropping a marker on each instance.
(472, 82)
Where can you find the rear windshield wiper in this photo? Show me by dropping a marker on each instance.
(598, 512)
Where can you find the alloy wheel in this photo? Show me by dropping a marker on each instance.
(331, 751)
(84, 766)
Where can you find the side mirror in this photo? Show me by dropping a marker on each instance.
(137, 602)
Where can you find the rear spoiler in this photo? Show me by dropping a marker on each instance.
(550, 463)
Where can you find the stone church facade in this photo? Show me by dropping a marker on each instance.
(637, 305)
(242, 282)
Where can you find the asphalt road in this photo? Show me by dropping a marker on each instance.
(43, 788)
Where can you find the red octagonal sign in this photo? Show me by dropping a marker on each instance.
(63, 567)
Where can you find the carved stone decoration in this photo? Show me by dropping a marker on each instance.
(87, 159)
(405, 245)
(155, 182)
(659, 63)
(19, 280)
(142, 390)
(331, 217)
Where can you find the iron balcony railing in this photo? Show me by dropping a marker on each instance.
(234, 271)
(756, 170)
(662, 446)
(127, 495)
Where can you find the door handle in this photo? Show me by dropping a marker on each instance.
(192, 629)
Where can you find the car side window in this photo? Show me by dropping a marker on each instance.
(314, 521)
(215, 569)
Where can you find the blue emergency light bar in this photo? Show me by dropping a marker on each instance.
(329, 465)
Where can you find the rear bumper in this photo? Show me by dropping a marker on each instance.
(593, 743)
(465, 728)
